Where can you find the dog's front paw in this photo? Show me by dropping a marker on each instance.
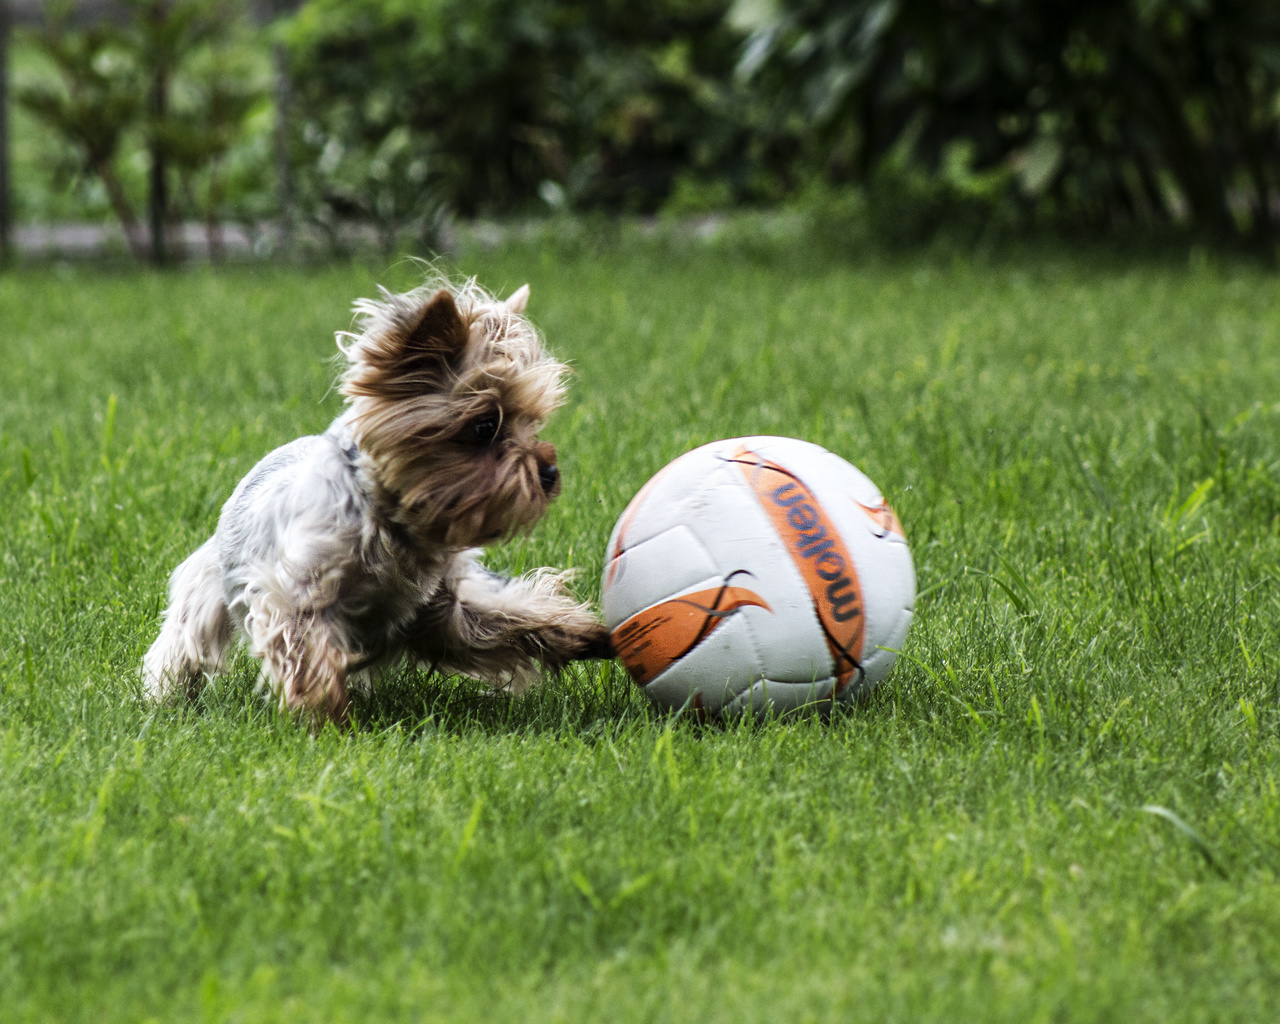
(578, 637)
(595, 643)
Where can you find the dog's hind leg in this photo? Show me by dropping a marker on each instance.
(196, 632)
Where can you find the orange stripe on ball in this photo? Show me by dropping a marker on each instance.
(653, 640)
(819, 552)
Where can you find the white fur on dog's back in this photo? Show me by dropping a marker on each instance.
(301, 526)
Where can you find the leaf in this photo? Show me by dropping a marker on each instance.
(583, 885)
(469, 831)
(1191, 834)
(1037, 164)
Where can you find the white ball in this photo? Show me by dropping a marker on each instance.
(758, 573)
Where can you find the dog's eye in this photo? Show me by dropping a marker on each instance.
(485, 429)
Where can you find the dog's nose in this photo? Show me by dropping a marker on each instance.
(548, 476)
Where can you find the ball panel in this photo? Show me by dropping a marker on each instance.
(890, 603)
(818, 550)
(654, 570)
(836, 482)
(749, 552)
(804, 454)
(883, 522)
(766, 695)
(652, 640)
(716, 670)
(875, 541)
(883, 564)
(659, 504)
(878, 662)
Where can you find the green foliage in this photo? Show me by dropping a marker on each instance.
(1098, 112)
(609, 101)
(351, 174)
(96, 102)
(978, 118)
(217, 86)
(175, 79)
(1031, 820)
(207, 135)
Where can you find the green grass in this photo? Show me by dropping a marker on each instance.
(1084, 453)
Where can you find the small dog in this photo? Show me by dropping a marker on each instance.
(347, 550)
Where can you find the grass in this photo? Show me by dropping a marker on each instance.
(1062, 805)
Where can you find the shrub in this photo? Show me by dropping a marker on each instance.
(175, 77)
(610, 101)
(1099, 112)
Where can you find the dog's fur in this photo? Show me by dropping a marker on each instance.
(341, 552)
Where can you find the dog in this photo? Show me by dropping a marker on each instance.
(346, 551)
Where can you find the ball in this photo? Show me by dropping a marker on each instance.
(758, 574)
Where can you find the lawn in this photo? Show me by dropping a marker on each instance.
(1062, 805)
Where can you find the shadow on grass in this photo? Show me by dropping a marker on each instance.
(574, 701)
(577, 700)
(583, 699)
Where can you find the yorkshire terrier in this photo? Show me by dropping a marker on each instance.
(346, 551)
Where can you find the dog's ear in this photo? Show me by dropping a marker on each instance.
(519, 299)
(440, 332)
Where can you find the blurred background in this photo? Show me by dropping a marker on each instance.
(164, 130)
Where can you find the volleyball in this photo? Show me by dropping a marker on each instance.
(758, 574)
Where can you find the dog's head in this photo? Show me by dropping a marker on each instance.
(448, 388)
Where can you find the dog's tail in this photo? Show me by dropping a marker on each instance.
(197, 628)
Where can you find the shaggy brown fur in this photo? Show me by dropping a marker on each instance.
(422, 374)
